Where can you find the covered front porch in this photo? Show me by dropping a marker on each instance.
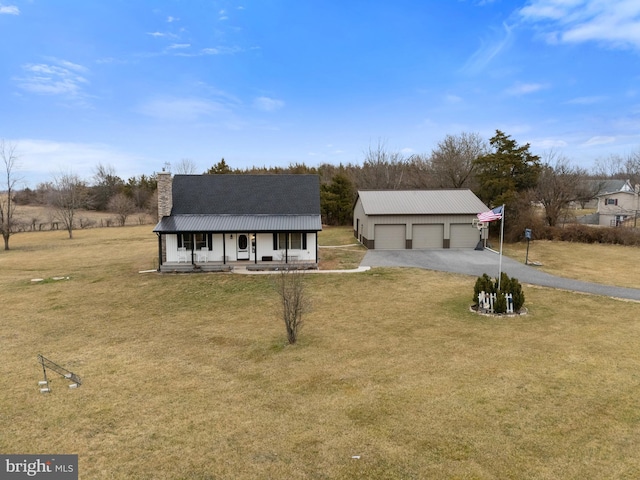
(218, 242)
(229, 266)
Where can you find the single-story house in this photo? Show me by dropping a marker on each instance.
(616, 205)
(208, 221)
(418, 219)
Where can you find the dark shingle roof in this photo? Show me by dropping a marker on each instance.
(246, 195)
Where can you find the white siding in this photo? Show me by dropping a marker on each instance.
(264, 247)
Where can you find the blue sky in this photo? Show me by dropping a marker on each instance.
(136, 84)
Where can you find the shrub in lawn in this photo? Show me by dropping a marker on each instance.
(507, 285)
(500, 304)
(483, 284)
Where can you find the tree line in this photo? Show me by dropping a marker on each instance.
(499, 171)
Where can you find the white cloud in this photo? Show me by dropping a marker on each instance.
(220, 50)
(549, 143)
(40, 160)
(162, 34)
(614, 23)
(171, 19)
(525, 88)
(179, 46)
(586, 100)
(9, 10)
(60, 77)
(598, 140)
(268, 104)
(488, 51)
(180, 109)
(450, 98)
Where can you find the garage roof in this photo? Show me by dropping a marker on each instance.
(420, 202)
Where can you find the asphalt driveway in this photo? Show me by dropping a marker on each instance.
(477, 262)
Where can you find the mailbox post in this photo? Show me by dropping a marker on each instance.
(527, 235)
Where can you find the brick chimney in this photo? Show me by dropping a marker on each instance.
(165, 194)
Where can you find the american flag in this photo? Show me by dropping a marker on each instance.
(491, 215)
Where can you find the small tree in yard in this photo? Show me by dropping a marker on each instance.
(9, 158)
(68, 195)
(483, 284)
(122, 206)
(291, 289)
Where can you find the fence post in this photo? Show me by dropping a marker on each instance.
(509, 298)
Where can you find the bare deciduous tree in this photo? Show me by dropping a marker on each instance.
(122, 206)
(610, 167)
(106, 184)
(186, 166)
(7, 206)
(453, 160)
(68, 195)
(382, 169)
(559, 184)
(290, 286)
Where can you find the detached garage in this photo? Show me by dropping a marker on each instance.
(417, 219)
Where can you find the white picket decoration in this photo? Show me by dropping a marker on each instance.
(509, 298)
(487, 300)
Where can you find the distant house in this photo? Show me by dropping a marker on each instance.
(417, 219)
(210, 221)
(617, 202)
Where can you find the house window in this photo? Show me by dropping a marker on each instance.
(201, 240)
(185, 240)
(290, 241)
(611, 201)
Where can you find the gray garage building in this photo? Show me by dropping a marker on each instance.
(417, 219)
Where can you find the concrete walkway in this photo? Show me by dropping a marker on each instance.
(244, 271)
(477, 262)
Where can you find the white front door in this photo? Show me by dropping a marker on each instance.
(243, 246)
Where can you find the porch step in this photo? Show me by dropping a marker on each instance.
(188, 268)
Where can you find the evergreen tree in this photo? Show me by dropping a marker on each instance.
(507, 171)
(336, 200)
(219, 168)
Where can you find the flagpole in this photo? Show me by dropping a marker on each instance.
(501, 237)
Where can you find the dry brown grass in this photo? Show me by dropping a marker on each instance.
(42, 218)
(339, 249)
(188, 376)
(598, 263)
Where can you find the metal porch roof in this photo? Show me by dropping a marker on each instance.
(239, 223)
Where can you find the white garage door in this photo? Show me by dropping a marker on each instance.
(389, 237)
(427, 236)
(463, 235)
